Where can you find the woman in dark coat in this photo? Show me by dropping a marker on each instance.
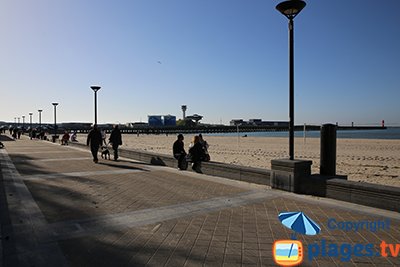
(197, 153)
(115, 140)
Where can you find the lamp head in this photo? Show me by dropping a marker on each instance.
(95, 88)
(291, 8)
(55, 104)
(40, 110)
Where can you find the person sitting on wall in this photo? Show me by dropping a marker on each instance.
(65, 138)
(197, 153)
(178, 150)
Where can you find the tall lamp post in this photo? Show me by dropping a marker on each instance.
(40, 118)
(30, 122)
(95, 88)
(291, 9)
(55, 121)
(23, 123)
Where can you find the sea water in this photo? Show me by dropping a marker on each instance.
(389, 133)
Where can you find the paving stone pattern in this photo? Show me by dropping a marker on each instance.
(65, 210)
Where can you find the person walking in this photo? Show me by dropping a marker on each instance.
(197, 152)
(94, 139)
(178, 149)
(115, 140)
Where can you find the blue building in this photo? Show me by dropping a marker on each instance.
(155, 120)
(169, 120)
(162, 120)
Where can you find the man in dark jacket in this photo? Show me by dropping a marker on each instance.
(115, 140)
(178, 149)
(94, 139)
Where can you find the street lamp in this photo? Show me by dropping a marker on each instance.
(23, 123)
(95, 88)
(291, 9)
(30, 122)
(40, 118)
(55, 121)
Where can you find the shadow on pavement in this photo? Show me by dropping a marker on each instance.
(68, 198)
(6, 231)
(5, 138)
(128, 166)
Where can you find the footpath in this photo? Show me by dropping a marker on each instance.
(58, 208)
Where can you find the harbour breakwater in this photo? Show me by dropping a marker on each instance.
(211, 129)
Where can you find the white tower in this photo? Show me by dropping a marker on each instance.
(184, 108)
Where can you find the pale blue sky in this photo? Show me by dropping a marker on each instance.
(224, 59)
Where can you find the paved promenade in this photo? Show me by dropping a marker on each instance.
(58, 208)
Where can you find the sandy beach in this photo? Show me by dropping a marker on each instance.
(363, 160)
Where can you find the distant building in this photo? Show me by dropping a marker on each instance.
(155, 120)
(169, 120)
(235, 122)
(162, 120)
(255, 121)
(137, 124)
(195, 117)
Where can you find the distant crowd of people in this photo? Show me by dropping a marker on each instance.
(16, 132)
(38, 133)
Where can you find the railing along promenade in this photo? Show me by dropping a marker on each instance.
(226, 129)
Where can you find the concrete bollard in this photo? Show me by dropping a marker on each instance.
(328, 150)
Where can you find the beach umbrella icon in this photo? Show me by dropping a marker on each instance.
(299, 222)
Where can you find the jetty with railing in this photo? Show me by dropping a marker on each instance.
(210, 129)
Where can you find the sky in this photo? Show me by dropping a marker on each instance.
(224, 59)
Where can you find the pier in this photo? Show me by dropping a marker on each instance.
(211, 129)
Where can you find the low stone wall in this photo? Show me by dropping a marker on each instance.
(240, 173)
(373, 195)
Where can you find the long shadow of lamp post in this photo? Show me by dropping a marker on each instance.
(55, 121)
(291, 9)
(95, 88)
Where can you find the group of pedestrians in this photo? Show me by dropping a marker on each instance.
(198, 152)
(15, 132)
(95, 140)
